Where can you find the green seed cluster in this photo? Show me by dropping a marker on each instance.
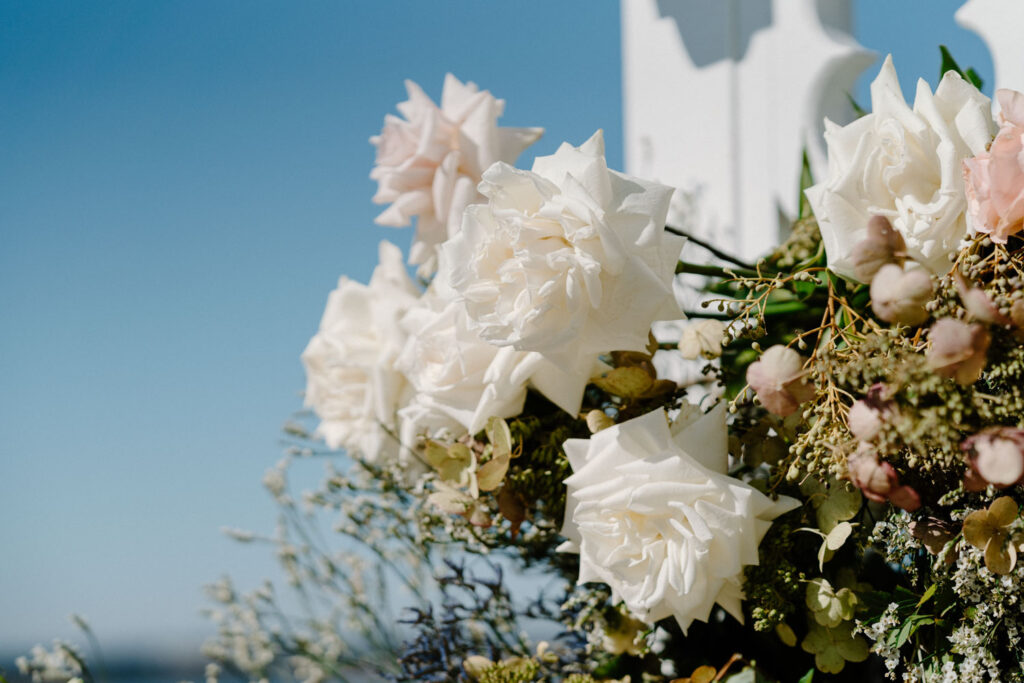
(774, 587)
(802, 245)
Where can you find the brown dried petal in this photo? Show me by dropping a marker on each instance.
(1003, 511)
(933, 533)
(977, 530)
(1000, 557)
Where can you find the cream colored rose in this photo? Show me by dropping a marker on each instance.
(460, 380)
(429, 162)
(569, 260)
(904, 164)
(653, 514)
(352, 384)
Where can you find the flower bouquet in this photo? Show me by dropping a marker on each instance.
(836, 499)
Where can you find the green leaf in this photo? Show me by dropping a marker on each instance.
(927, 594)
(905, 632)
(807, 677)
(857, 109)
(974, 78)
(948, 63)
(806, 180)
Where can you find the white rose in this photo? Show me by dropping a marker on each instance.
(352, 384)
(652, 514)
(429, 163)
(460, 380)
(569, 260)
(904, 164)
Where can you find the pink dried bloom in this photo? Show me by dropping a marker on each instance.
(978, 303)
(997, 455)
(882, 245)
(878, 481)
(866, 416)
(780, 381)
(899, 296)
(958, 350)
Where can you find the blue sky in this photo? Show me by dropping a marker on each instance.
(181, 184)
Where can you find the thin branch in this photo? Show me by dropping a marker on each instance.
(710, 247)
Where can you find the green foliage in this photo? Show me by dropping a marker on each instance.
(949, 64)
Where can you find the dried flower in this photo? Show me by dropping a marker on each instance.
(780, 381)
(987, 530)
(882, 245)
(878, 481)
(997, 455)
(703, 338)
(867, 415)
(899, 296)
(958, 350)
(933, 533)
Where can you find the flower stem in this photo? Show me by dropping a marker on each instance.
(715, 271)
(710, 247)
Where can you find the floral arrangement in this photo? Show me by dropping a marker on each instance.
(837, 499)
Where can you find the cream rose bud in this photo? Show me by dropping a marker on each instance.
(429, 162)
(903, 164)
(351, 381)
(899, 296)
(653, 514)
(569, 260)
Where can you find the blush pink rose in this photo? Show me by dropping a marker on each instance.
(994, 180)
(430, 160)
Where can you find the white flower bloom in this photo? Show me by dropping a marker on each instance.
(460, 380)
(569, 260)
(904, 164)
(352, 383)
(652, 514)
(429, 163)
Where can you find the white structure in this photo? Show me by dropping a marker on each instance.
(999, 23)
(720, 98)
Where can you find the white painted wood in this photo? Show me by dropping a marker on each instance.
(1000, 24)
(720, 98)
